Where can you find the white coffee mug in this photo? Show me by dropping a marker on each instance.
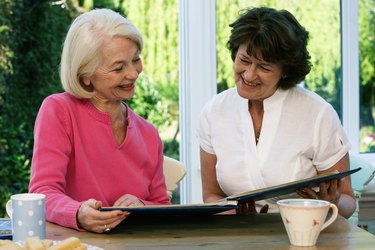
(305, 218)
(27, 213)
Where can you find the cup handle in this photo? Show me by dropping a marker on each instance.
(9, 209)
(333, 217)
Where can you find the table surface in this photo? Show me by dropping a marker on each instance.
(261, 231)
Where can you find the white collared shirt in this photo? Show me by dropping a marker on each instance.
(301, 134)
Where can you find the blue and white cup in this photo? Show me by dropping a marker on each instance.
(28, 216)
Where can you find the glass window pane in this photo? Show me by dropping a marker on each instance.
(367, 75)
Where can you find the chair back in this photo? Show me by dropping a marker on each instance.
(174, 171)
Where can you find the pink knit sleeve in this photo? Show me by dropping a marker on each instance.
(52, 149)
(158, 188)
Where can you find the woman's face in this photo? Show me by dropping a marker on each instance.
(255, 79)
(120, 65)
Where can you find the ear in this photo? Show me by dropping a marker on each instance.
(86, 81)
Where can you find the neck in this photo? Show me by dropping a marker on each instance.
(115, 109)
(256, 106)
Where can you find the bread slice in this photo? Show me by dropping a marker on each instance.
(69, 243)
(47, 243)
(9, 245)
(33, 243)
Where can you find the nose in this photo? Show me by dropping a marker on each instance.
(250, 73)
(133, 72)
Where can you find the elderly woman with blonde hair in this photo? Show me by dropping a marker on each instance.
(91, 150)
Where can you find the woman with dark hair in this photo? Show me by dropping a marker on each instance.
(268, 130)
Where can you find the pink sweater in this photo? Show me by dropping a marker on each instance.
(76, 157)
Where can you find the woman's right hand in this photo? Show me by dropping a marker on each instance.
(248, 208)
(91, 219)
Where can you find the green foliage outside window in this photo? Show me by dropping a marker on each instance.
(367, 74)
(31, 36)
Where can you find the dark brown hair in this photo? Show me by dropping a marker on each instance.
(277, 37)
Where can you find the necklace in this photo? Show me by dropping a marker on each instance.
(257, 134)
(257, 117)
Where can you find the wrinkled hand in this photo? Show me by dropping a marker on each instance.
(128, 200)
(248, 208)
(328, 191)
(91, 219)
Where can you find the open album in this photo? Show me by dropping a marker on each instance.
(231, 202)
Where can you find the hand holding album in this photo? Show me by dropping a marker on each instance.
(232, 202)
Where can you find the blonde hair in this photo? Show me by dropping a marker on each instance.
(82, 47)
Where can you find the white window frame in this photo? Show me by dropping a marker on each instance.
(197, 56)
(197, 34)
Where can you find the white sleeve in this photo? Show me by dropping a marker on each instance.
(330, 142)
(203, 131)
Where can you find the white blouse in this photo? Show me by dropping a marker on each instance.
(301, 134)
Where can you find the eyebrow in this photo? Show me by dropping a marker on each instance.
(118, 62)
(267, 64)
(261, 62)
(138, 54)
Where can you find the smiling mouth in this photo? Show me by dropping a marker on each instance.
(249, 83)
(127, 86)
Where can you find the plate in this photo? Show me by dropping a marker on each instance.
(89, 247)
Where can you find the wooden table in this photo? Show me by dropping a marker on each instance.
(262, 231)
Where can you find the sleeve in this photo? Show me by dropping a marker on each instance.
(158, 189)
(51, 156)
(330, 142)
(203, 132)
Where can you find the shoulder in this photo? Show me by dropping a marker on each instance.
(223, 99)
(227, 95)
(303, 93)
(225, 105)
(55, 111)
(60, 99)
(310, 104)
(61, 106)
(302, 96)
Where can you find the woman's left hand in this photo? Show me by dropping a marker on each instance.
(328, 191)
(91, 219)
(338, 192)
